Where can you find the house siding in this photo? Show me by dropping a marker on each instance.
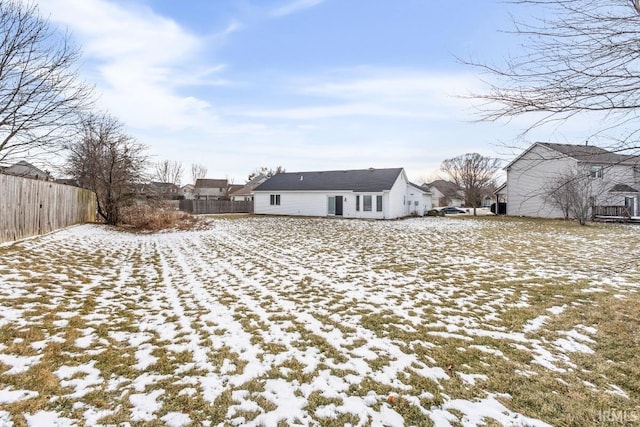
(612, 175)
(527, 178)
(395, 201)
(530, 174)
(316, 203)
(436, 196)
(418, 202)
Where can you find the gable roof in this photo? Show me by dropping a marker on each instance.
(587, 153)
(581, 153)
(447, 188)
(27, 170)
(500, 188)
(249, 186)
(419, 187)
(234, 188)
(622, 188)
(369, 180)
(211, 183)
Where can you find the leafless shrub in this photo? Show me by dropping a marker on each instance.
(150, 218)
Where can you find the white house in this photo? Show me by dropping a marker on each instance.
(245, 192)
(612, 178)
(187, 191)
(367, 193)
(444, 193)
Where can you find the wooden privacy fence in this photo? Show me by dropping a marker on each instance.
(216, 206)
(29, 207)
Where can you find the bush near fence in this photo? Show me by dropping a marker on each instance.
(29, 207)
(216, 206)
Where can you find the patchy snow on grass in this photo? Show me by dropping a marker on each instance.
(18, 364)
(266, 321)
(83, 378)
(5, 419)
(11, 396)
(145, 405)
(48, 418)
(176, 419)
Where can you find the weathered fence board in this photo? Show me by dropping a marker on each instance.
(29, 207)
(216, 206)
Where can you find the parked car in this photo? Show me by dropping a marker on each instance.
(452, 210)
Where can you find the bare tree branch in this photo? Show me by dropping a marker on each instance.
(266, 172)
(473, 173)
(198, 171)
(40, 93)
(581, 57)
(108, 161)
(169, 171)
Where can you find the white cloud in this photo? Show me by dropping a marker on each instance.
(155, 75)
(295, 6)
(380, 93)
(140, 61)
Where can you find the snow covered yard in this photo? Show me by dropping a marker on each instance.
(290, 321)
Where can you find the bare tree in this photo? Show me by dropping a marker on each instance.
(266, 172)
(108, 161)
(198, 171)
(169, 171)
(574, 192)
(558, 194)
(40, 92)
(579, 56)
(474, 173)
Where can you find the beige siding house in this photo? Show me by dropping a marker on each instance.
(444, 193)
(210, 189)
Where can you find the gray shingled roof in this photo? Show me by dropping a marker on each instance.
(623, 188)
(26, 169)
(211, 183)
(589, 153)
(364, 180)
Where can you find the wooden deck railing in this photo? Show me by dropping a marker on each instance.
(613, 211)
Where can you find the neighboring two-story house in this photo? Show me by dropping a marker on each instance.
(444, 193)
(211, 189)
(612, 179)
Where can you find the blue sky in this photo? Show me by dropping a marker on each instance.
(306, 84)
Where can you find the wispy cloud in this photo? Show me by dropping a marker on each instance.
(141, 61)
(378, 93)
(294, 7)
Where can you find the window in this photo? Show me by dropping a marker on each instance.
(379, 203)
(596, 171)
(416, 203)
(275, 199)
(357, 203)
(366, 200)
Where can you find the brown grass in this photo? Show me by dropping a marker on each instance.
(152, 218)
